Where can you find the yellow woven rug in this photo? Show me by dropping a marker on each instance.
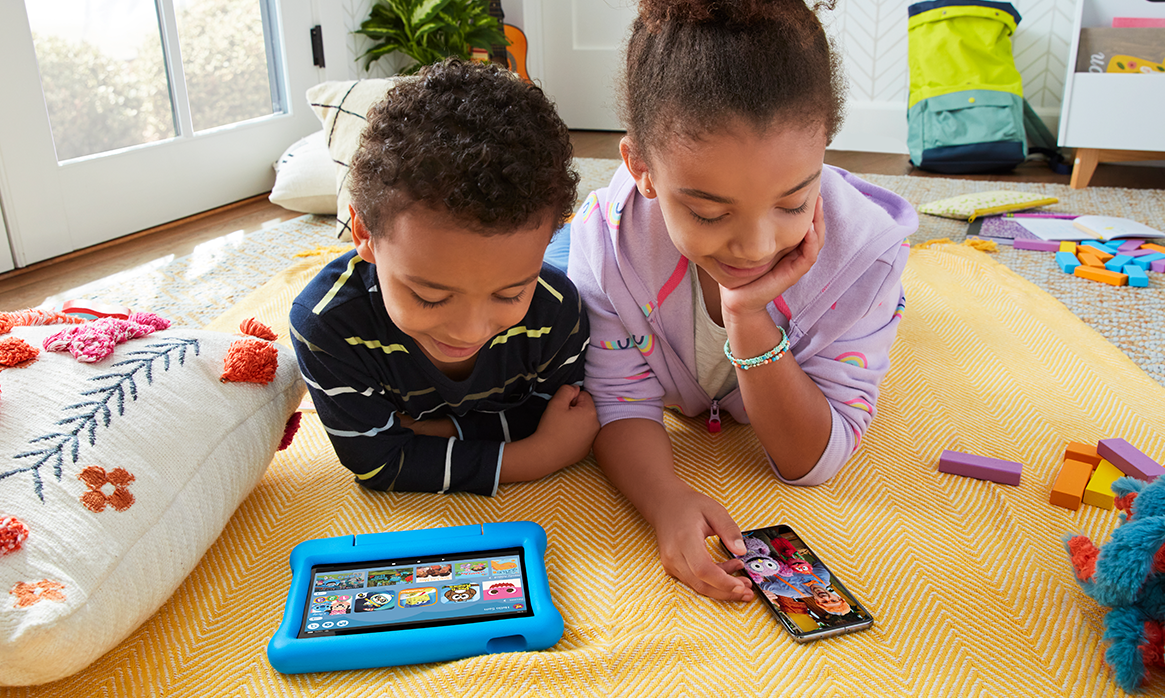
(967, 579)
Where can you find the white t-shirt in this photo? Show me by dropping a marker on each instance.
(713, 369)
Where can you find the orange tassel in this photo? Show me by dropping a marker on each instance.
(15, 351)
(255, 328)
(250, 361)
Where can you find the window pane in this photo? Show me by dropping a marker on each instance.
(225, 58)
(103, 74)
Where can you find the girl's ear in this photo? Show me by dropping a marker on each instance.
(362, 237)
(638, 168)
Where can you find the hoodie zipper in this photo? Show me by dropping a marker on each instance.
(714, 417)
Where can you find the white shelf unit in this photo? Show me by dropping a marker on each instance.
(1111, 117)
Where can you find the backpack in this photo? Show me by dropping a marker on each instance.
(966, 112)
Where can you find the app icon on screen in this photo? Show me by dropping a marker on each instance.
(502, 589)
(339, 581)
(477, 568)
(504, 566)
(388, 577)
(434, 573)
(420, 596)
(460, 593)
(375, 601)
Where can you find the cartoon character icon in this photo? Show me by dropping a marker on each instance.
(503, 565)
(508, 589)
(378, 601)
(420, 596)
(458, 593)
(340, 606)
(759, 563)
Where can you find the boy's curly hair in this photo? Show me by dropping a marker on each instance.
(469, 138)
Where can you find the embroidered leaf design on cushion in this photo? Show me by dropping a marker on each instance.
(109, 398)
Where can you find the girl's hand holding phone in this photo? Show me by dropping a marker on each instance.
(754, 297)
(682, 523)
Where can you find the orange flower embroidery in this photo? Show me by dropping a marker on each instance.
(99, 482)
(28, 594)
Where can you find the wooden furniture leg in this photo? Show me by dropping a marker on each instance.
(1088, 158)
(1086, 161)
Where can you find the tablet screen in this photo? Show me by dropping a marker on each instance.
(416, 592)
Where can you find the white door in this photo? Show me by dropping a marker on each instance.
(150, 110)
(582, 50)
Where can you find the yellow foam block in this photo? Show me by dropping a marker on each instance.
(1068, 246)
(1099, 490)
(1068, 490)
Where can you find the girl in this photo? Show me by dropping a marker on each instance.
(725, 267)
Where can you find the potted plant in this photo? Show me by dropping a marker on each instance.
(428, 31)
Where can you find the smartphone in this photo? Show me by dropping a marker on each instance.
(808, 600)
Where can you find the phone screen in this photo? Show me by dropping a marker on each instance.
(416, 592)
(809, 600)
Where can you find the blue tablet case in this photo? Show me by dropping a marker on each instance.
(291, 654)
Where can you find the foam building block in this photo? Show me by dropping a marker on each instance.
(1067, 262)
(1137, 276)
(1089, 259)
(1068, 489)
(1118, 262)
(1129, 245)
(1139, 253)
(1038, 245)
(1145, 261)
(1154, 246)
(1086, 453)
(1068, 246)
(1098, 493)
(1004, 472)
(1129, 459)
(1158, 266)
(1103, 275)
(1104, 251)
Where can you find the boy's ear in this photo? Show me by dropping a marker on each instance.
(637, 166)
(362, 237)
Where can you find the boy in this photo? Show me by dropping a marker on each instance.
(441, 354)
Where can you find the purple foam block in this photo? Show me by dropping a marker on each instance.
(1158, 266)
(1129, 459)
(1040, 245)
(1004, 472)
(1128, 245)
(1138, 253)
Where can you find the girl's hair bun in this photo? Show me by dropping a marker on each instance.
(733, 12)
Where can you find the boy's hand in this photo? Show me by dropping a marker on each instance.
(681, 526)
(568, 426)
(755, 296)
(442, 426)
(564, 436)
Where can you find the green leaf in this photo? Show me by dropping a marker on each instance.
(427, 10)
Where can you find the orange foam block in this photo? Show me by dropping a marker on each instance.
(1103, 275)
(1153, 246)
(1068, 489)
(1090, 260)
(1098, 493)
(1086, 453)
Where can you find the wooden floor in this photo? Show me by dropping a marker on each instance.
(28, 287)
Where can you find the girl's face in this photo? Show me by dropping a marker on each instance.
(737, 201)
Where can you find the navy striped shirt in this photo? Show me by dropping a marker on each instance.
(363, 373)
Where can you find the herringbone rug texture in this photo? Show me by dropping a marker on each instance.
(967, 579)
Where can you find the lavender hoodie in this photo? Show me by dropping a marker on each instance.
(841, 317)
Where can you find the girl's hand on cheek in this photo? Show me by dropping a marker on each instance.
(755, 296)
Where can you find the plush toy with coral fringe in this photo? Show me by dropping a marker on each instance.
(1127, 574)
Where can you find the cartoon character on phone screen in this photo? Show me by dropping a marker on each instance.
(791, 577)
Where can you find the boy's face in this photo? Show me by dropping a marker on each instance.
(449, 288)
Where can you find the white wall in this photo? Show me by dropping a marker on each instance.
(872, 37)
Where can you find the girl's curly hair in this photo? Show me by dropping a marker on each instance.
(469, 138)
(693, 65)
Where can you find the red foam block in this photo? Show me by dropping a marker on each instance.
(1004, 472)
(1129, 459)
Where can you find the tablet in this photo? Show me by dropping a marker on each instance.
(406, 597)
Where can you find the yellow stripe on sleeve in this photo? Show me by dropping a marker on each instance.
(375, 344)
(519, 330)
(336, 286)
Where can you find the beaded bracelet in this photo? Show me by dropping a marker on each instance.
(768, 357)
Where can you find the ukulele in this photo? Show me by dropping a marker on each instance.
(513, 56)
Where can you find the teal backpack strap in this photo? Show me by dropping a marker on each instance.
(1040, 140)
